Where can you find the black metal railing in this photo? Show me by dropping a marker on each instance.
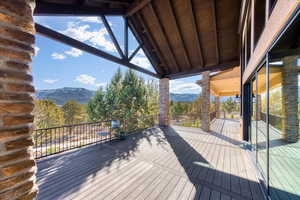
(53, 140)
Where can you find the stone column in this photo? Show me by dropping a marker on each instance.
(205, 122)
(17, 166)
(290, 124)
(164, 102)
(218, 103)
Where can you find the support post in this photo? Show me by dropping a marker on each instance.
(205, 106)
(164, 102)
(290, 122)
(218, 102)
(17, 166)
(259, 107)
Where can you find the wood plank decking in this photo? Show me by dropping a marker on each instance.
(170, 163)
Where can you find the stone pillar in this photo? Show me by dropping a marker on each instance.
(164, 102)
(17, 166)
(290, 124)
(218, 103)
(205, 122)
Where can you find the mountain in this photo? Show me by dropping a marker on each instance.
(62, 95)
(183, 97)
(82, 95)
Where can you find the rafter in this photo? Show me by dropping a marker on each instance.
(163, 34)
(84, 47)
(53, 9)
(112, 36)
(153, 42)
(147, 48)
(137, 7)
(178, 33)
(215, 26)
(126, 37)
(195, 30)
(198, 71)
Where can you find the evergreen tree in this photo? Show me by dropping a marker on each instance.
(74, 112)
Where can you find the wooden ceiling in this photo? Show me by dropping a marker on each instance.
(180, 37)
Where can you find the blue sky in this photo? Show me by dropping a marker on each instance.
(57, 65)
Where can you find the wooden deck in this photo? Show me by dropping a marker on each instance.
(170, 163)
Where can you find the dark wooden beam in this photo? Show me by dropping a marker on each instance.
(147, 48)
(198, 71)
(136, 7)
(135, 52)
(89, 49)
(54, 9)
(195, 30)
(112, 36)
(178, 33)
(163, 34)
(153, 42)
(126, 37)
(215, 27)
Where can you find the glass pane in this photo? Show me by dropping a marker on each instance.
(261, 121)
(284, 152)
(253, 116)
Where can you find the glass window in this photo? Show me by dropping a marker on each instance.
(284, 143)
(253, 124)
(259, 18)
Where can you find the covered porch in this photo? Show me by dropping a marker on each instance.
(158, 163)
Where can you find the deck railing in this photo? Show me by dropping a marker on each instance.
(53, 140)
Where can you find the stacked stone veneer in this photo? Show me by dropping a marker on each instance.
(17, 166)
(205, 84)
(164, 102)
(290, 124)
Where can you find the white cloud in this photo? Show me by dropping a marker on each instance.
(100, 84)
(84, 33)
(58, 56)
(36, 50)
(90, 19)
(50, 81)
(177, 86)
(74, 52)
(141, 60)
(86, 79)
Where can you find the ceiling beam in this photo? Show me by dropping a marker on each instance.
(149, 35)
(178, 33)
(135, 52)
(163, 34)
(112, 36)
(215, 27)
(136, 7)
(195, 31)
(89, 49)
(54, 9)
(195, 72)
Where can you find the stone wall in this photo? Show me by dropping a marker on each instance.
(205, 84)
(17, 166)
(164, 102)
(290, 99)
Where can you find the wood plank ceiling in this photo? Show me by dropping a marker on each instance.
(180, 37)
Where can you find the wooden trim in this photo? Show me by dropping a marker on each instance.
(84, 47)
(137, 7)
(215, 26)
(252, 15)
(196, 31)
(179, 33)
(112, 36)
(163, 34)
(135, 52)
(279, 18)
(126, 37)
(195, 72)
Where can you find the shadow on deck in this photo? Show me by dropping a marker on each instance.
(158, 163)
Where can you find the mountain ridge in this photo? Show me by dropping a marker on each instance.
(82, 95)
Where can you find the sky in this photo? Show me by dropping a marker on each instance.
(56, 65)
